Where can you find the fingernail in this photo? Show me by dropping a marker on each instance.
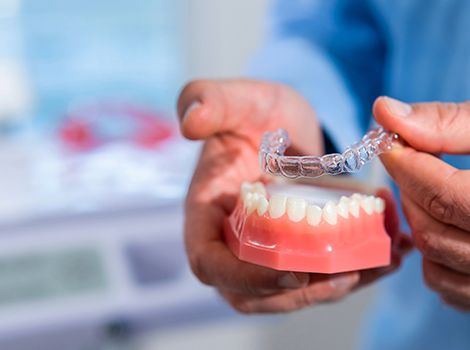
(344, 282)
(398, 108)
(293, 280)
(192, 106)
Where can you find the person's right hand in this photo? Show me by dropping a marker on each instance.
(232, 116)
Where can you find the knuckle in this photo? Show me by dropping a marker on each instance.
(426, 243)
(439, 205)
(302, 299)
(450, 204)
(447, 114)
(324, 292)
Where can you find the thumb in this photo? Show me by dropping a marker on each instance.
(430, 127)
(248, 108)
(209, 107)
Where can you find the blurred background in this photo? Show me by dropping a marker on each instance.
(93, 173)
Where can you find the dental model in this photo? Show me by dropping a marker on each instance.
(273, 160)
(308, 229)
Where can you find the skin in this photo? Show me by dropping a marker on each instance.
(231, 117)
(435, 195)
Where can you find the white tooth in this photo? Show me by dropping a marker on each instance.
(277, 206)
(247, 199)
(330, 213)
(251, 202)
(296, 208)
(258, 187)
(368, 204)
(245, 188)
(344, 199)
(354, 206)
(357, 196)
(263, 205)
(343, 209)
(379, 205)
(314, 215)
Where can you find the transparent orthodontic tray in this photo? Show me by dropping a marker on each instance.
(273, 160)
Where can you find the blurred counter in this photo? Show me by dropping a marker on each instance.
(91, 245)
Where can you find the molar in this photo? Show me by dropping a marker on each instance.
(296, 208)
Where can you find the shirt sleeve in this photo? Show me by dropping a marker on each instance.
(333, 53)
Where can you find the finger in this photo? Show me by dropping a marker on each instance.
(247, 108)
(214, 264)
(456, 303)
(401, 243)
(447, 282)
(211, 198)
(431, 127)
(399, 251)
(209, 107)
(322, 288)
(392, 219)
(436, 186)
(441, 243)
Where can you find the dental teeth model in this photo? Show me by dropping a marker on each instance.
(273, 160)
(322, 231)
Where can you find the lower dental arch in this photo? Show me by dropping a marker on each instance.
(273, 161)
(255, 199)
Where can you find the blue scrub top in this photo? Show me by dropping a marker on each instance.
(341, 55)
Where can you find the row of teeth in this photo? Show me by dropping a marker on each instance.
(255, 199)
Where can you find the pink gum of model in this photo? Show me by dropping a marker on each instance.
(353, 243)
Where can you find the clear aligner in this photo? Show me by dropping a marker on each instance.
(273, 160)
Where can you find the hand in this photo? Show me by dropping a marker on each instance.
(435, 196)
(232, 116)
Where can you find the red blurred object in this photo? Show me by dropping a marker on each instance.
(83, 129)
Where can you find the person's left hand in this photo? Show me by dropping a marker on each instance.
(435, 196)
